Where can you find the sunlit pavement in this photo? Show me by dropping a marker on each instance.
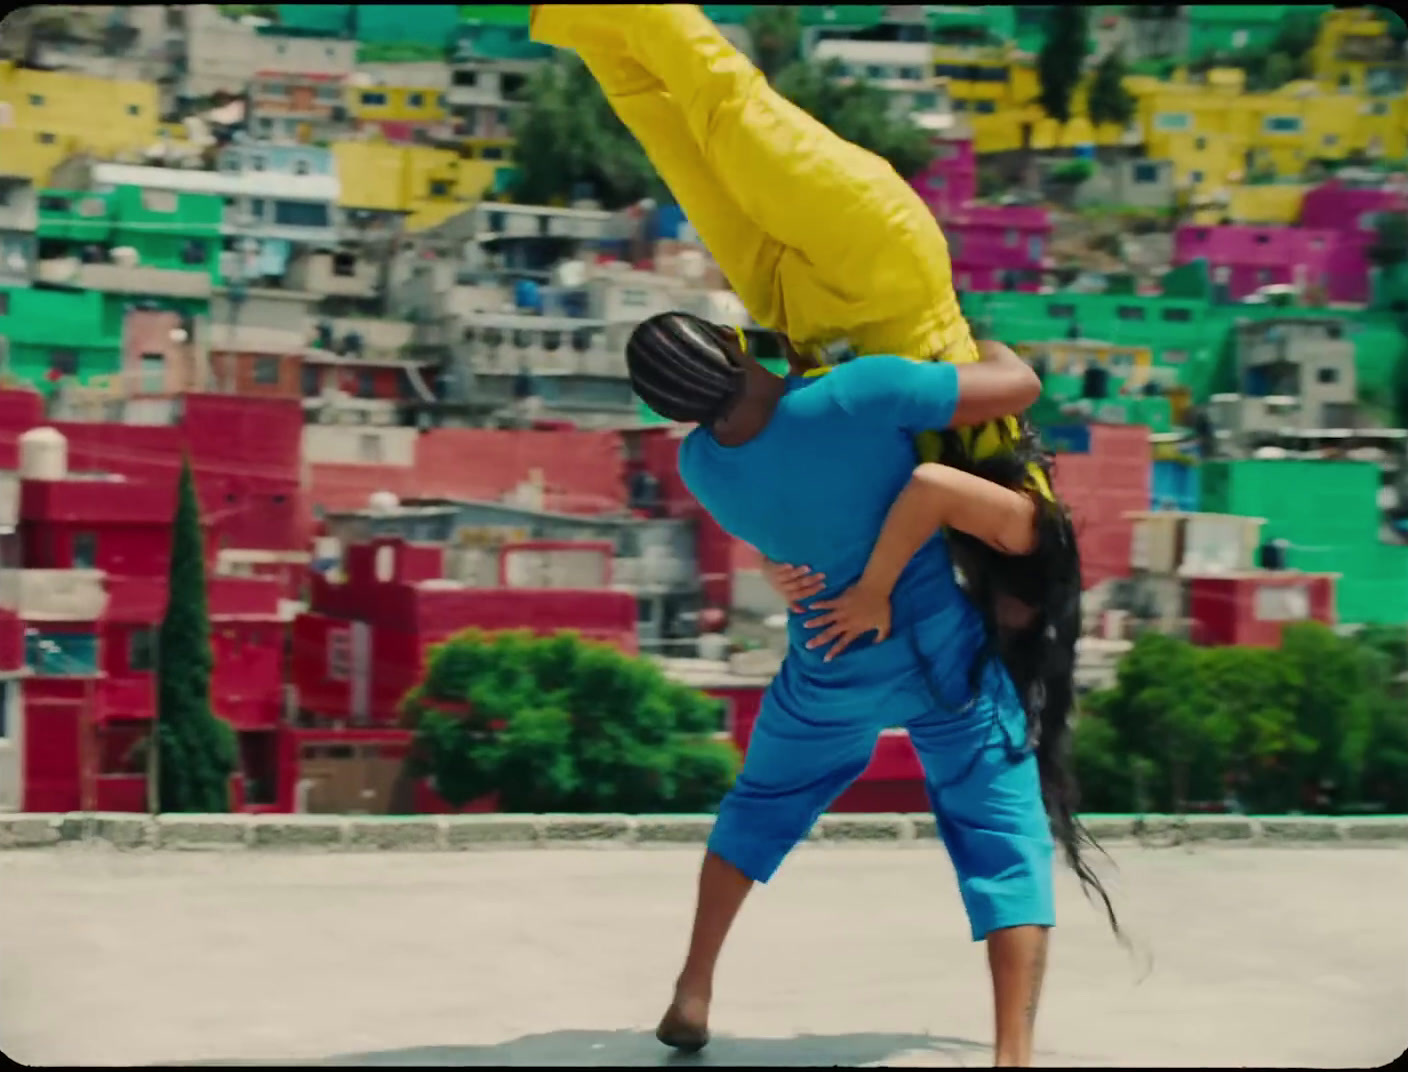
(854, 956)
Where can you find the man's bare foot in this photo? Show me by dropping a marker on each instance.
(685, 1025)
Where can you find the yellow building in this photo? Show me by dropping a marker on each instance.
(47, 115)
(1217, 135)
(1353, 52)
(395, 104)
(428, 185)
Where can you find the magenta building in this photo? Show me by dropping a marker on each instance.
(998, 247)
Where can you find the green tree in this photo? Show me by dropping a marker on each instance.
(858, 111)
(568, 139)
(776, 35)
(561, 724)
(1110, 102)
(1389, 249)
(1061, 59)
(196, 750)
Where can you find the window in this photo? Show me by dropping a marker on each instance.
(439, 188)
(1009, 238)
(256, 163)
(344, 265)
(153, 372)
(134, 109)
(61, 654)
(465, 78)
(1329, 141)
(373, 100)
(1059, 311)
(1177, 315)
(1281, 124)
(44, 138)
(369, 447)
(582, 340)
(366, 384)
(1327, 375)
(985, 107)
(311, 381)
(1145, 173)
(1281, 603)
(1196, 176)
(160, 200)
(1200, 144)
(875, 72)
(1130, 312)
(63, 362)
(1239, 38)
(300, 214)
(1261, 239)
(265, 371)
(85, 550)
(1034, 248)
(300, 167)
(141, 649)
(194, 253)
(634, 299)
(1174, 357)
(339, 654)
(1368, 221)
(416, 100)
(4, 302)
(911, 74)
(36, 100)
(492, 152)
(1172, 121)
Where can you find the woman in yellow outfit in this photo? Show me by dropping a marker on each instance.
(825, 244)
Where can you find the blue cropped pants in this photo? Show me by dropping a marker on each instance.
(813, 739)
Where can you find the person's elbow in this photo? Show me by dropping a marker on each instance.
(989, 390)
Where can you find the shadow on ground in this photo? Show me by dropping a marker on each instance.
(639, 1048)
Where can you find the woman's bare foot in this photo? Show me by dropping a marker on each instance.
(685, 1025)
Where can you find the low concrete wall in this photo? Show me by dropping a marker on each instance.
(439, 833)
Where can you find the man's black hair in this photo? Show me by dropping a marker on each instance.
(683, 368)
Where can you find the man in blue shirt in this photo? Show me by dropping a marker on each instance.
(807, 470)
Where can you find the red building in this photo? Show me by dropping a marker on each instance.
(1252, 608)
(89, 596)
(1104, 480)
(245, 452)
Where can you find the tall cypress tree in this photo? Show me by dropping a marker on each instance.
(196, 749)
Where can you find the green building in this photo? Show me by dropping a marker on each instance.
(168, 230)
(1214, 30)
(1327, 511)
(72, 331)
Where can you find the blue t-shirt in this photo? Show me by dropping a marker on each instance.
(814, 487)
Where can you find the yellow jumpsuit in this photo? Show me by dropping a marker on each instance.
(821, 240)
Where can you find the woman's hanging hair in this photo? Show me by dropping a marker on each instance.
(1041, 657)
(682, 367)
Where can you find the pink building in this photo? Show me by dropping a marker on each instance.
(998, 247)
(1243, 258)
(1350, 211)
(951, 179)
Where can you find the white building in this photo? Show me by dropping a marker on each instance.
(903, 69)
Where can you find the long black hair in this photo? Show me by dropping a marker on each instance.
(1040, 656)
(683, 367)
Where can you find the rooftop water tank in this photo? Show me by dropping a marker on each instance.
(527, 296)
(43, 455)
(383, 502)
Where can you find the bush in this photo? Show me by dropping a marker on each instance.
(562, 724)
(1272, 726)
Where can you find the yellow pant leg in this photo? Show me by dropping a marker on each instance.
(865, 260)
(747, 256)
